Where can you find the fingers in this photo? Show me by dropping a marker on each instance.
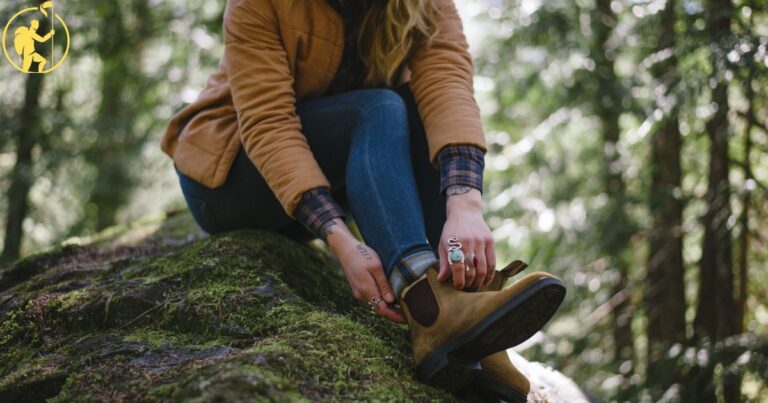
(385, 289)
(444, 266)
(383, 309)
(458, 271)
(490, 257)
(489, 277)
(381, 289)
(470, 271)
(477, 272)
(481, 269)
(395, 315)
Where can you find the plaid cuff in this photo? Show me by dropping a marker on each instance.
(316, 207)
(461, 165)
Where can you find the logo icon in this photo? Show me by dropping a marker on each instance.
(22, 40)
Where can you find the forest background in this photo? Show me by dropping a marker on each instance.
(628, 155)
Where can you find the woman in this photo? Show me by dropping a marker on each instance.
(324, 110)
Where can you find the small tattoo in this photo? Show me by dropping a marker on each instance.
(326, 229)
(457, 190)
(364, 251)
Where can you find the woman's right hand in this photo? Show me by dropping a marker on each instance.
(363, 269)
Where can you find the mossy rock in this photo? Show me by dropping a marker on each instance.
(157, 311)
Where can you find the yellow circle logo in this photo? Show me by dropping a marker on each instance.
(21, 38)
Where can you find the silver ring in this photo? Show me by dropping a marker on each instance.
(455, 254)
(470, 261)
(374, 303)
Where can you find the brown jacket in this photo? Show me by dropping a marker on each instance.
(276, 54)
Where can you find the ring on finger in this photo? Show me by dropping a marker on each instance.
(470, 261)
(374, 303)
(455, 254)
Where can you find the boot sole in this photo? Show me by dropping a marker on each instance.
(452, 365)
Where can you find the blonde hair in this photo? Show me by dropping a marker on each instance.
(388, 33)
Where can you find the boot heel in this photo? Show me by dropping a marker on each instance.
(490, 389)
(445, 372)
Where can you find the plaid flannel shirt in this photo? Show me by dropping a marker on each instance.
(459, 165)
(316, 207)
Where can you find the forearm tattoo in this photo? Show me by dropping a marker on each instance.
(327, 229)
(364, 251)
(457, 190)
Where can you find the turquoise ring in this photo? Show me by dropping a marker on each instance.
(456, 256)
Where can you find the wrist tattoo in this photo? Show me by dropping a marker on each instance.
(457, 190)
(364, 251)
(327, 229)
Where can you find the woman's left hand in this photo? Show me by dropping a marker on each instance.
(465, 222)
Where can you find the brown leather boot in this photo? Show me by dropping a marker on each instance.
(498, 379)
(452, 330)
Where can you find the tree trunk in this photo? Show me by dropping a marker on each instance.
(665, 297)
(116, 149)
(111, 182)
(746, 199)
(22, 177)
(615, 223)
(716, 316)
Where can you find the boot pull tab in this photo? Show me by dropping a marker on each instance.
(513, 268)
(501, 276)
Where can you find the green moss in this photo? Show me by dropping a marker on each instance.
(239, 316)
(32, 382)
(10, 328)
(70, 300)
(242, 380)
(333, 354)
(156, 338)
(30, 266)
(13, 359)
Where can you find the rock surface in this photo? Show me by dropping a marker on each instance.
(157, 311)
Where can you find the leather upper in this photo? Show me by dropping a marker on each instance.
(458, 310)
(278, 52)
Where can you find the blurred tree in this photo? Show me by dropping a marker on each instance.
(559, 72)
(614, 223)
(750, 118)
(27, 134)
(22, 177)
(118, 143)
(665, 296)
(716, 313)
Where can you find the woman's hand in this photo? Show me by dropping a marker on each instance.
(465, 222)
(362, 268)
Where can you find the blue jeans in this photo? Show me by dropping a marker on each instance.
(372, 147)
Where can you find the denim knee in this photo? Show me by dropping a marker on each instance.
(384, 106)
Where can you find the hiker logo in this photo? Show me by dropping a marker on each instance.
(23, 44)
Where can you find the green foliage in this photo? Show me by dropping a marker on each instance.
(131, 65)
(545, 197)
